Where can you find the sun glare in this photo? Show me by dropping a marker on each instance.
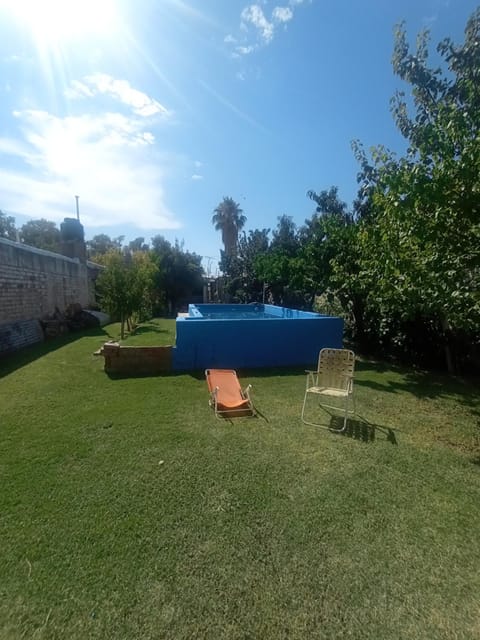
(59, 20)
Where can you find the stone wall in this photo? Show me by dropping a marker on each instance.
(33, 282)
(15, 335)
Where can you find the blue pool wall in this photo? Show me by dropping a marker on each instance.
(289, 338)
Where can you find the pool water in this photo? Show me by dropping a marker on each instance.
(237, 315)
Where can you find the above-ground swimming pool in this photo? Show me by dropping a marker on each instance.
(231, 336)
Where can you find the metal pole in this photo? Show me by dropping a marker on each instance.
(209, 262)
(78, 210)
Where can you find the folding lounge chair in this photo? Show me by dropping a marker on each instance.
(226, 395)
(333, 379)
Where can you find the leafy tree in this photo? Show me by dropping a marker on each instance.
(281, 266)
(125, 285)
(240, 273)
(329, 205)
(138, 245)
(7, 226)
(144, 270)
(330, 256)
(228, 218)
(180, 273)
(284, 237)
(102, 244)
(42, 234)
(421, 245)
(319, 238)
(251, 247)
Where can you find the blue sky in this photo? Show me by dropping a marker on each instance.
(153, 110)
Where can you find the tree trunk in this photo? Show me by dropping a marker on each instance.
(448, 349)
(358, 313)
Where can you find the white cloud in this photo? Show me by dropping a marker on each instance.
(9, 146)
(197, 176)
(244, 51)
(282, 14)
(121, 90)
(254, 15)
(198, 164)
(253, 18)
(429, 20)
(107, 158)
(78, 89)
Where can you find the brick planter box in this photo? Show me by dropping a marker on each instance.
(136, 360)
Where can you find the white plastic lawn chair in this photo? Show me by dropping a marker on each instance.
(332, 379)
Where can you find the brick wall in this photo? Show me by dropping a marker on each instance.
(126, 360)
(34, 282)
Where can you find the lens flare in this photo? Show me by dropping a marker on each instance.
(60, 20)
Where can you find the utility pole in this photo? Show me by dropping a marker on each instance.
(210, 259)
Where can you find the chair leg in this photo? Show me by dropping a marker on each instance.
(352, 412)
(312, 424)
(315, 424)
(346, 413)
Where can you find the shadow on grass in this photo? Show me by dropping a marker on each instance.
(359, 428)
(259, 415)
(422, 384)
(18, 359)
(196, 375)
(149, 327)
(271, 372)
(160, 374)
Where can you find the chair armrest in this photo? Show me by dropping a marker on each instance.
(246, 392)
(213, 398)
(349, 380)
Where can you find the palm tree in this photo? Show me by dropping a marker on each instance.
(229, 219)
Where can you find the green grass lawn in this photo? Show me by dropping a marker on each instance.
(156, 332)
(128, 511)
